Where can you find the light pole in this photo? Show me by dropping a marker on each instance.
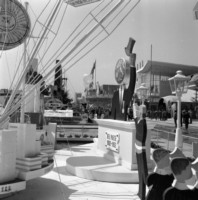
(140, 142)
(179, 86)
(142, 93)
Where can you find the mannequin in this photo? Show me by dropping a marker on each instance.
(162, 177)
(122, 98)
(181, 169)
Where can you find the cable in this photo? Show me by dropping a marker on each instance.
(48, 74)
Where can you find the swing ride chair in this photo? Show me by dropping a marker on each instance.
(43, 35)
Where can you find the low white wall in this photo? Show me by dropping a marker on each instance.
(126, 154)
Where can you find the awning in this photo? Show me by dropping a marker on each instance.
(188, 97)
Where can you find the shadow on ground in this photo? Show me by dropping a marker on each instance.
(43, 189)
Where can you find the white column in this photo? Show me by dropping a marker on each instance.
(178, 134)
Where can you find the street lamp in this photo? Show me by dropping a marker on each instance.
(142, 93)
(179, 86)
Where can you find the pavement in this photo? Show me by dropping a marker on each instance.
(61, 185)
(164, 136)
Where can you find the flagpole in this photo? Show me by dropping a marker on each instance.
(95, 74)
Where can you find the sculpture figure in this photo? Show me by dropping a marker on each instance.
(125, 75)
(161, 178)
(182, 186)
(140, 146)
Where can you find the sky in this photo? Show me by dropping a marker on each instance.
(166, 25)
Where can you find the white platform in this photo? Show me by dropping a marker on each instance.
(88, 164)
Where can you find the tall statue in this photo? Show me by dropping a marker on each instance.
(125, 75)
(139, 113)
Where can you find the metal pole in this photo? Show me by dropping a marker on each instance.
(24, 65)
(63, 59)
(178, 134)
(26, 69)
(151, 77)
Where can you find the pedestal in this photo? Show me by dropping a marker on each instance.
(7, 155)
(116, 141)
(26, 139)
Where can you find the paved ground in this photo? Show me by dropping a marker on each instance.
(60, 185)
(165, 136)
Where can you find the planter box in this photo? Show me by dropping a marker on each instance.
(49, 150)
(29, 164)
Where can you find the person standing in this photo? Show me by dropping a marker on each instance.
(190, 114)
(175, 118)
(186, 118)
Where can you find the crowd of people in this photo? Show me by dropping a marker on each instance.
(158, 114)
(99, 112)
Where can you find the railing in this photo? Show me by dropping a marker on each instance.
(166, 139)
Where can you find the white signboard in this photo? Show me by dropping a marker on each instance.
(112, 141)
(77, 3)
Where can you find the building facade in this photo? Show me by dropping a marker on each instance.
(101, 96)
(155, 75)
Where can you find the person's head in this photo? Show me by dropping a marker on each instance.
(161, 158)
(181, 169)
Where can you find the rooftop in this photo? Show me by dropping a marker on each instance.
(167, 69)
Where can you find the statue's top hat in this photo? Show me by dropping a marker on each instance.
(129, 48)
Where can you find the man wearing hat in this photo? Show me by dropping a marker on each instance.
(120, 103)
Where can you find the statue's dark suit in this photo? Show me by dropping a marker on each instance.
(127, 97)
(116, 112)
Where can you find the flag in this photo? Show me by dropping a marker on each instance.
(92, 75)
(93, 68)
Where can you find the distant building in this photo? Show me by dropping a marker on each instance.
(5, 95)
(155, 75)
(102, 96)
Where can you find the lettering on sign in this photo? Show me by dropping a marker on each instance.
(5, 189)
(112, 141)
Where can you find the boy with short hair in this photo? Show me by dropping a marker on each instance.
(162, 177)
(181, 169)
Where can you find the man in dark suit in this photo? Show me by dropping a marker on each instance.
(120, 103)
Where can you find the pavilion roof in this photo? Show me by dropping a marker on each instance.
(167, 69)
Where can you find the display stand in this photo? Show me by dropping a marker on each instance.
(111, 158)
(24, 156)
(116, 142)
